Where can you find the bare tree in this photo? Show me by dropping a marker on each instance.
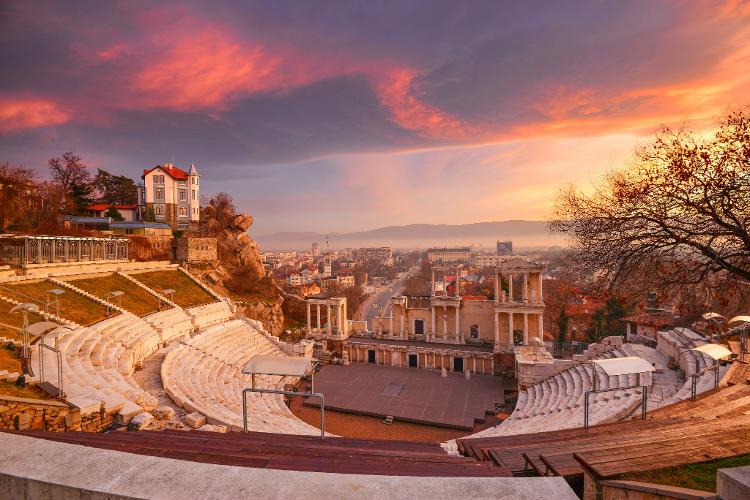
(71, 174)
(677, 214)
(17, 188)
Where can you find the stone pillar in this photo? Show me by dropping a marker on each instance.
(458, 284)
(497, 287)
(445, 322)
(432, 282)
(525, 288)
(510, 328)
(309, 325)
(401, 320)
(525, 328)
(432, 317)
(458, 325)
(328, 317)
(510, 287)
(318, 311)
(390, 331)
(497, 330)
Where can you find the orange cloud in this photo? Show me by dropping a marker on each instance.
(27, 113)
(396, 92)
(207, 69)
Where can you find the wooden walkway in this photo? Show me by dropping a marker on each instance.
(288, 452)
(715, 425)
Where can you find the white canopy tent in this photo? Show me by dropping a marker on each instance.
(714, 316)
(740, 319)
(283, 366)
(714, 351)
(624, 366)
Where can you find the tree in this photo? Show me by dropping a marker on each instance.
(677, 214)
(114, 214)
(17, 188)
(150, 215)
(115, 189)
(70, 173)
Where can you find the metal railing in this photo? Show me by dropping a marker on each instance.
(586, 403)
(286, 393)
(696, 375)
(42, 346)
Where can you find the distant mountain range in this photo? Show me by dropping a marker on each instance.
(524, 234)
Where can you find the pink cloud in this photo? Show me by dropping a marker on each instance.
(18, 114)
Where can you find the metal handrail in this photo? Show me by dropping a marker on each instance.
(287, 393)
(694, 377)
(43, 345)
(644, 400)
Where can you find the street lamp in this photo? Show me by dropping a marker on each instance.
(25, 308)
(53, 296)
(170, 293)
(111, 295)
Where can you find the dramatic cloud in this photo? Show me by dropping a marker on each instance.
(342, 113)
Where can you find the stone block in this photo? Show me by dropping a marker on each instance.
(164, 413)
(141, 421)
(195, 420)
(213, 428)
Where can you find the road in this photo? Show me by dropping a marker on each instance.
(382, 300)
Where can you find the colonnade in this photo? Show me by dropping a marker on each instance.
(335, 314)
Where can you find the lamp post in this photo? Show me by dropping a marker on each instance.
(112, 295)
(25, 308)
(168, 292)
(53, 297)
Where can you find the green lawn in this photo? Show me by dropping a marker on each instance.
(73, 306)
(187, 293)
(9, 360)
(15, 319)
(696, 476)
(136, 300)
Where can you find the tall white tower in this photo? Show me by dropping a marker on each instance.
(195, 193)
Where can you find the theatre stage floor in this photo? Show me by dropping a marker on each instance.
(408, 394)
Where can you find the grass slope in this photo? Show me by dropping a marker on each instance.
(187, 293)
(136, 300)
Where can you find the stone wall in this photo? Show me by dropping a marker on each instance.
(192, 249)
(47, 415)
(145, 248)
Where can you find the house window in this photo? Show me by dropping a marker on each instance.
(159, 210)
(159, 179)
(182, 195)
(159, 193)
(183, 212)
(193, 194)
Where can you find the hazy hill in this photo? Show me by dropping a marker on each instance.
(523, 234)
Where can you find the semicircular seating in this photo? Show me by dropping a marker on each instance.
(204, 374)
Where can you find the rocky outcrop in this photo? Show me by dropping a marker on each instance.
(270, 315)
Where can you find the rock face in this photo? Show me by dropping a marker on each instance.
(237, 251)
(270, 314)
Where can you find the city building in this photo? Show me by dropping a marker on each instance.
(129, 212)
(487, 259)
(315, 249)
(442, 255)
(172, 193)
(504, 248)
(380, 254)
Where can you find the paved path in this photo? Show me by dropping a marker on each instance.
(149, 379)
(382, 300)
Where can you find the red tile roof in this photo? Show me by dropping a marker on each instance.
(172, 171)
(104, 206)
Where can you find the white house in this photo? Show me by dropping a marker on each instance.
(173, 194)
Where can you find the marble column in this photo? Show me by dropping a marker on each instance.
(329, 325)
(525, 288)
(403, 311)
(309, 323)
(390, 330)
(497, 330)
(497, 286)
(318, 306)
(445, 322)
(510, 329)
(540, 327)
(510, 287)
(525, 328)
(458, 325)
(432, 317)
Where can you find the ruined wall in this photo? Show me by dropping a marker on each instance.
(53, 416)
(145, 248)
(193, 249)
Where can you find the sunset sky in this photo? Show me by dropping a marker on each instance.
(338, 116)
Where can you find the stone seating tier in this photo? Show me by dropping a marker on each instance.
(204, 374)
